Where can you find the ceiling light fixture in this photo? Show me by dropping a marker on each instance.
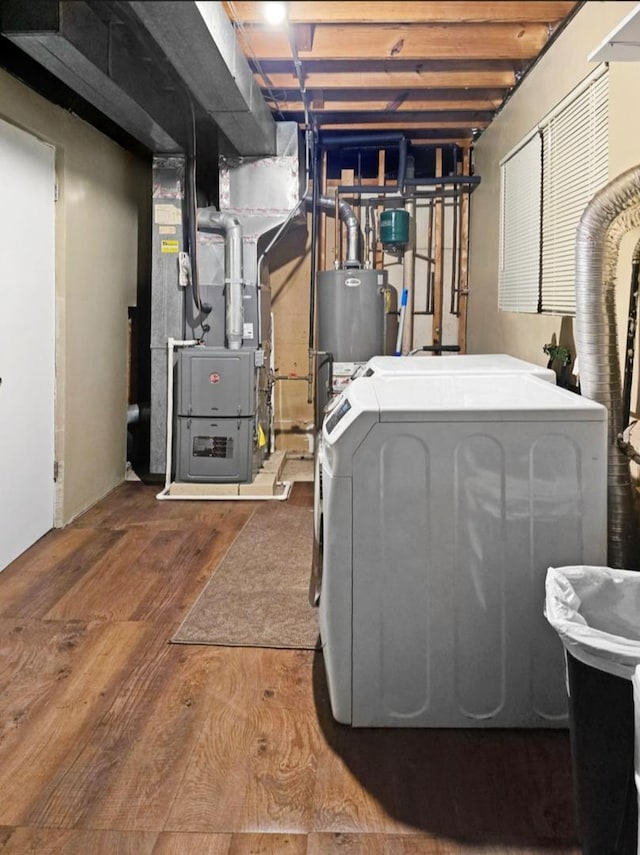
(274, 13)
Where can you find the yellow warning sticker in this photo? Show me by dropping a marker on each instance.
(262, 440)
(169, 246)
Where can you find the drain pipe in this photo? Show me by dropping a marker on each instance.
(172, 344)
(209, 219)
(353, 227)
(612, 212)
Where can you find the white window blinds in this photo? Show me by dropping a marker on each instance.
(520, 228)
(546, 183)
(575, 145)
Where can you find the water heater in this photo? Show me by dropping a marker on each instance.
(353, 307)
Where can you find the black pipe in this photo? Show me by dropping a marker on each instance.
(402, 166)
(315, 180)
(474, 180)
(362, 140)
(392, 190)
(431, 181)
(453, 306)
(437, 349)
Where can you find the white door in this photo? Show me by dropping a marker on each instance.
(27, 340)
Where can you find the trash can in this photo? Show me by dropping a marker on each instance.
(596, 613)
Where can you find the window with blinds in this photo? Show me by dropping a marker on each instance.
(519, 277)
(546, 183)
(575, 149)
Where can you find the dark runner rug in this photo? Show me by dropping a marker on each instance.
(258, 596)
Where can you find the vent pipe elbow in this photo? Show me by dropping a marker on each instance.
(612, 212)
(350, 220)
(209, 219)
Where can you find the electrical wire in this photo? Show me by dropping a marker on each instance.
(191, 201)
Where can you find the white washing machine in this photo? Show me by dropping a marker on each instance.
(444, 502)
(412, 366)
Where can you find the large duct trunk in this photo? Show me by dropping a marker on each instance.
(612, 212)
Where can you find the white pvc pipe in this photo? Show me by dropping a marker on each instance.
(172, 343)
(165, 495)
(272, 369)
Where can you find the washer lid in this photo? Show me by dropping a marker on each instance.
(483, 398)
(481, 363)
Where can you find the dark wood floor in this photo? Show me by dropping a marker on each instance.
(112, 740)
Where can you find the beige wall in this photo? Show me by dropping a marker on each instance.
(559, 71)
(290, 266)
(102, 188)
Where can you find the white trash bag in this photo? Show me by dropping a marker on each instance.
(596, 613)
(636, 755)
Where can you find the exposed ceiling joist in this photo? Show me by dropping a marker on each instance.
(423, 75)
(409, 11)
(358, 62)
(386, 100)
(415, 41)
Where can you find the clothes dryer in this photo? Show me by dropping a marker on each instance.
(411, 366)
(445, 499)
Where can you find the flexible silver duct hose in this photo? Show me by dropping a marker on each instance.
(351, 222)
(210, 218)
(612, 212)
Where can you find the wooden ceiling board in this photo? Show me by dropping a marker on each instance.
(383, 79)
(399, 104)
(438, 41)
(432, 69)
(355, 12)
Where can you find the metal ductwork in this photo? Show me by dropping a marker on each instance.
(154, 68)
(351, 222)
(257, 197)
(612, 212)
(210, 219)
(199, 42)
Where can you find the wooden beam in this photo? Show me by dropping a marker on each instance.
(399, 126)
(409, 117)
(469, 78)
(320, 103)
(348, 178)
(407, 97)
(356, 12)
(460, 142)
(303, 36)
(436, 41)
(379, 252)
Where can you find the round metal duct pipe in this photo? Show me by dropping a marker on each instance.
(611, 214)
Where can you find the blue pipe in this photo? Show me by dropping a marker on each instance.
(403, 311)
